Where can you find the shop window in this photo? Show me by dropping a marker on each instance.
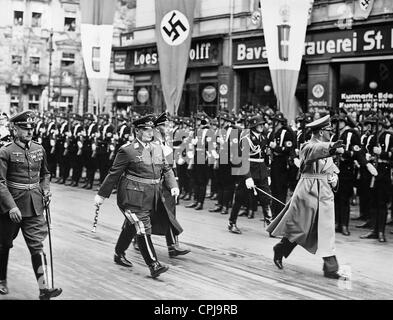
(69, 24)
(352, 77)
(18, 18)
(16, 60)
(67, 60)
(34, 102)
(35, 63)
(36, 20)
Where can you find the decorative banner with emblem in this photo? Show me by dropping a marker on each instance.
(284, 27)
(174, 23)
(96, 38)
(362, 9)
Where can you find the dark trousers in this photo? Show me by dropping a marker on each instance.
(285, 247)
(184, 182)
(242, 196)
(380, 197)
(103, 165)
(364, 194)
(342, 199)
(279, 184)
(201, 178)
(65, 166)
(77, 166)
(225, 185)
(260, 198)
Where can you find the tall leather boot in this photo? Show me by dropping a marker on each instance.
(330, 267)
(4, 253)
(146, 248)
(41, 273)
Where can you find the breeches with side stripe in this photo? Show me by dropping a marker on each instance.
(140, 220)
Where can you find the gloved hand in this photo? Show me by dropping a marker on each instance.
(47, 195)
(340, 150)
(296, 161)
(273, 145)
(377, 150)
(194, 141)
(15, 215)
(98, 200)
(175, 192)
(250, 183)
(337, 144)
(372, 169)
(333, 179)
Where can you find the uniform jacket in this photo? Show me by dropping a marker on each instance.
(148, 163)
(308, 218)
(26, 166)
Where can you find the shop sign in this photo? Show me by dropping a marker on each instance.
(374, 40)
(223, 89)
(317, 97)
(363, 41)
(143, 95)
(366, 101)
(209, 94)
(203, 52)
(120, 60)
(249, 51)
(128, 99)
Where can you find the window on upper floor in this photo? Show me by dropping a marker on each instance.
(18, 18)
(36, 20)
(69, 24)
(67, 59)
(16, 60)
(35, 63)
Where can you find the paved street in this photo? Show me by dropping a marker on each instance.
(221, 265)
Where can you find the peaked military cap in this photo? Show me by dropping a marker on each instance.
(89, 116)
(161, 119)
(24, 119)
(62, 115)
(280, 117)
(76, 117)
(104, 116)
(145, 122)
(319, 123)
(227, 117)
(254, 121)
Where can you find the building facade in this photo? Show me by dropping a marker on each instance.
(348, 45)
(34, 77)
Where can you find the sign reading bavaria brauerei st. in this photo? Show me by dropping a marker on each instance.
(202, 53)
(373, 40)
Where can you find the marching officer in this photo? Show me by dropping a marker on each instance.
(253, 144)
(140, 170)
(281, 145)
(24, 186)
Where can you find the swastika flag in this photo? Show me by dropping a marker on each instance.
(96, 38)
(174, 22)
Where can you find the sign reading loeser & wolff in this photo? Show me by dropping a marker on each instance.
(202, 53)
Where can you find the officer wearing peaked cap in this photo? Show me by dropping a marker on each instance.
(140, 170)
(24, 185)
(308, 218)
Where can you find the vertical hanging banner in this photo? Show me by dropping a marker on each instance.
(174, 24)
(284, 28)
(96, 38)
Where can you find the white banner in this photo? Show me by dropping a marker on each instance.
(284, 28)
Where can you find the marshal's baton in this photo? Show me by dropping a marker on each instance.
(95, 219)
(48, 221)
(269, 195)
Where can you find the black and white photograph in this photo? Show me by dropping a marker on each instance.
(199, 155)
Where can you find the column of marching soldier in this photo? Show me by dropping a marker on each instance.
(79, 146)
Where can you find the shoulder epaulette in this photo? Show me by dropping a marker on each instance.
(7, 144)
(36, 142)
(128, 143)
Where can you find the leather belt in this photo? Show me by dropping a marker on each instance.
(314, 176)
(256, 160)
(23, 186)
(142, 180)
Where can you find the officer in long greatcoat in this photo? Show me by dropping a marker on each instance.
(24, 186)
(308, 218)
(140, 170)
